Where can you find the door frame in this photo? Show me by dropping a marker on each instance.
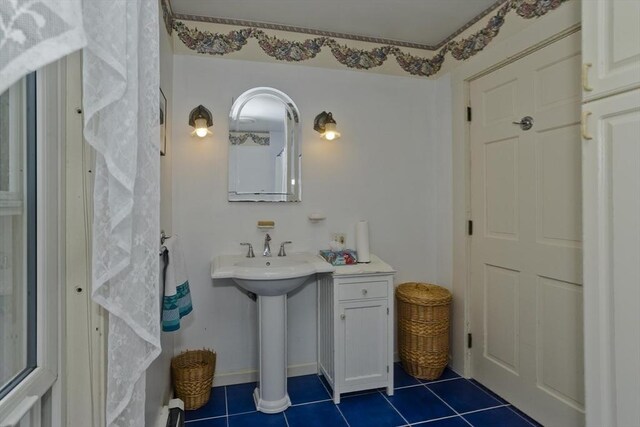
(560, 24)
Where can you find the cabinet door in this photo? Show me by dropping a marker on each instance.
(611, 197)
(610, 46)
(363, 339)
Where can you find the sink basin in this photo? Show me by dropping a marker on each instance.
(269, 276)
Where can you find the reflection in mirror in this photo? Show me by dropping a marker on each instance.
(264, 147)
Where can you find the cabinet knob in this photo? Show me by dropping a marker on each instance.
(364, 292)
(342, 316)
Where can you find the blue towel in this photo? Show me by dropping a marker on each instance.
(177, 297)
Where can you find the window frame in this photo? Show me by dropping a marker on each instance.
(11, 199)
(23, 98)
(26, 396)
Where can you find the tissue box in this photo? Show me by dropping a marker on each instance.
(346, 257)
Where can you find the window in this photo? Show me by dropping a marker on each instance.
(17, 233)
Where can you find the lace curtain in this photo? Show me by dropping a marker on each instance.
(121, 84)
(34, 33)
(120, 99)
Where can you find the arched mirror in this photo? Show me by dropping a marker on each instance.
(264, 147)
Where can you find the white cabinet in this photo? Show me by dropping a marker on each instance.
(610, 47)
(355, 327)
(611, 187)
(611, 210)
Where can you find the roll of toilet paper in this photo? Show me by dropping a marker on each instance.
(362, 241)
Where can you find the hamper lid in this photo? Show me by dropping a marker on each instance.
(423, 294)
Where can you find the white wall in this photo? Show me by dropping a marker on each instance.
(391, 166)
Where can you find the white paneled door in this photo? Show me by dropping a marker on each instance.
(526, 249)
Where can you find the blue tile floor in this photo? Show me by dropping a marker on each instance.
(450, 401)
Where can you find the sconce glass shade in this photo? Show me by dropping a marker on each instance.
(200, 120)
(325, 125)
(201, 128)
(330, 132)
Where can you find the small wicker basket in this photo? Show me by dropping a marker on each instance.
(423, 328)
(192, 373)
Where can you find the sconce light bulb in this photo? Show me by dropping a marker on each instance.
(201, 127)
(330, 132)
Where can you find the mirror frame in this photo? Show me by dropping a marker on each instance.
(296, 154)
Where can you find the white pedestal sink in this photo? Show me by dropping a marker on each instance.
(271, 278)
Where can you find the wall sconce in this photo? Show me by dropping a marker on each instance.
(326, 126)
(200, 120)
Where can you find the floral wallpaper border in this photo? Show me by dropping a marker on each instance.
(206, 42)
(167, 15)
(337, 35)
(241, 138)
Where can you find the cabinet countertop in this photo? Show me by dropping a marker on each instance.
(376, 266)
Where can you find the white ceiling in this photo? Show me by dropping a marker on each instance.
(426, 22)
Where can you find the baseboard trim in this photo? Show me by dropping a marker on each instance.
(240, 377)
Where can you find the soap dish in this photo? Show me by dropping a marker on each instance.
(315, 217)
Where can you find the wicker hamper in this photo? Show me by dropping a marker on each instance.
(423, 328)
(192, 373)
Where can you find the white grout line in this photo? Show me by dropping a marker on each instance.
(507, 404)
(395, 409)
(342, 415)
(206, 418)
(242, 413)
(511, 408)
(309, 403)
(436, 419)
(443, 381)
(337, 407)
(484, 409)
(408, 386)
(226, 405)
(443, 401)
(484, 391)
(286, 421)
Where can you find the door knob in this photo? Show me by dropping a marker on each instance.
(342, 316)
(526, 123)
(364, 292)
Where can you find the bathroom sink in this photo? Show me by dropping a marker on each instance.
(269, 276)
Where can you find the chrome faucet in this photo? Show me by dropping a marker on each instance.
(250, 252)
(267, 248)
(282, 252)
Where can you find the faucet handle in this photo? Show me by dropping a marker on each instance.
(282, 252)
(250, 253)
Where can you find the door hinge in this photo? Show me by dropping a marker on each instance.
(470, 228)
(387, 311)
(468, 114)
(469, 340)
(387, 368)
